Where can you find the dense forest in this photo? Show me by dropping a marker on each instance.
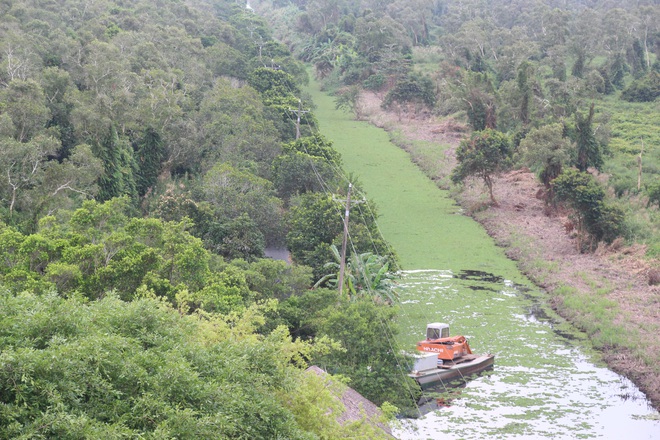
(151, 151)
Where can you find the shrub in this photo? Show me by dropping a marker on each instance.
(653, 192)
(414, 89)
(645, 89)
(654, 277)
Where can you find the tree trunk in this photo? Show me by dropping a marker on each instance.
(489, 184)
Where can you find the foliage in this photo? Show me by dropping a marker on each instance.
(478, 95)
(546, 151)
(142, 369)
(24, 102)
(486, 153)
(412, 89)
(149, 155)
(316, 223)
(610, 223)
(101, 249)
(284, 101)
(119, 167)
(273, 84)
(308, 164)
(348, 99)
(374, 367)
(588, 150)
(233, 192)
(645, 89)
(316, 145)
(276, 279)
(595, 218)
(239, 237)
(653, 192)
(235, 130)
(366, 276)
(297, 173)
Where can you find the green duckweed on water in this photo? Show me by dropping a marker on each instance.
(422, 223)
(547, 382)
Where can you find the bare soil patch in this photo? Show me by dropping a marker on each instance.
(542, 242)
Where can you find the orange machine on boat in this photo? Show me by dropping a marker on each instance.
(448, 348)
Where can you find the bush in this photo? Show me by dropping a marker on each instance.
(414, 89)
(374, 82)
(595, 217)
(653, 192)
(609, 224)
(645, 89)
(654, 277)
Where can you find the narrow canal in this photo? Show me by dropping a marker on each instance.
(546, 382)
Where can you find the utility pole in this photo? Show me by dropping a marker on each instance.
(298, 113)
(342, 263)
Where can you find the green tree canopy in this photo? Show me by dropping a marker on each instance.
(589, 151)
(414, 89)
(111, 369)
(595, 218)
(546, 151)
(375, 368)
(233, 192)
(485, 154)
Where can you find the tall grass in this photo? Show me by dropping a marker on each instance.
(633, 129)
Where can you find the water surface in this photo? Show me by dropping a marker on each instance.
(543, 384)
(546, 383)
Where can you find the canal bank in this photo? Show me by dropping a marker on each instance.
(609, 293)
(530, 389)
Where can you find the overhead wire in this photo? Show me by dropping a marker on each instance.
(387, 331)
(385, 327)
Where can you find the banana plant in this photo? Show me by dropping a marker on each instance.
(365, 275)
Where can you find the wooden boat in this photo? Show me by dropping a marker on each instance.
(444, 358)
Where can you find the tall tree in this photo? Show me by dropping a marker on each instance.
(25, 103)
(57, 86)
(483, 155)
(22, 166)
(479, 96)
(110, 182)
(589, 151)
(149, 155)
(546, 151)
(525, 90)
(233, 192)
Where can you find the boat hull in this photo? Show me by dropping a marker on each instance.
(432, 377)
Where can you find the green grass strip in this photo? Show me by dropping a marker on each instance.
(421, 222)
